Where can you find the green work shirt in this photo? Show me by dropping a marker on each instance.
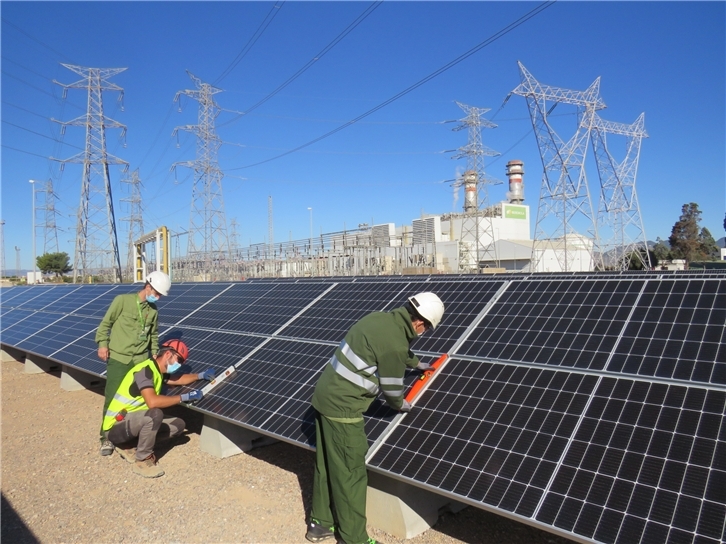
(374, 355)
(129, 329)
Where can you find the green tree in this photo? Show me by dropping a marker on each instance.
(709, 248)
(637, 258)
(57, 263)
(661, 250)
(684, 238)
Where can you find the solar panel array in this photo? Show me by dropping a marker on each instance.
(589, 404)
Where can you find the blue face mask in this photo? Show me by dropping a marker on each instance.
(173, 367)
(152, 299)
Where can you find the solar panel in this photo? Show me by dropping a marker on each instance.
(57, 335)
(487, 433)
(647, 464)
(271, 310)
(463, 301)
(183, 300)
(271, 390)
(676, 331)
(590, 404)
(12, 335)
(208, 349)
(330, 317)
(48, 295)
(563, 323)
(10, 317)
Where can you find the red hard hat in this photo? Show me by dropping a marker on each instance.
(178, 346)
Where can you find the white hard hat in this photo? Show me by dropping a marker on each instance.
(159, 281)
(428, 306)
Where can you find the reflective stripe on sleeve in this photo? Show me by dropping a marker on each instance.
(356, 361)
(352, 377)
(391, 381)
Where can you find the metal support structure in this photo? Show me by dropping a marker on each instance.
(564, 204)
(34, 263)
(135, 219)
(161, 256)
(619, 222)
(208, 243)
(270, 228)
(17, 262)
(477, 243)
(95, 256)
(47, 208)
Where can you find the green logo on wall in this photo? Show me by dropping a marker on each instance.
(515, 212)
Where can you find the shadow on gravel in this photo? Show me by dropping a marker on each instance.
(13, 528)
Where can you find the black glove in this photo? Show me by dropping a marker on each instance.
(424, 366)
(405, 407)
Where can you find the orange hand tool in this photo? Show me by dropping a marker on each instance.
(418, 384)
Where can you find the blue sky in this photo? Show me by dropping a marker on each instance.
(666, 59)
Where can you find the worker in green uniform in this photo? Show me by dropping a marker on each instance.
(373, 357)
(129, 334)
(136, 409)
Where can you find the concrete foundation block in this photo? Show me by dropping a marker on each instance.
(36, 365)
(400, 509)
(223, 439)
(10, 354)
(75, 380)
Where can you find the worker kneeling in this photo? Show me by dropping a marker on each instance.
(136, 408)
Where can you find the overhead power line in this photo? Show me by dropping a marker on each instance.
(256, 36)
(358, 20)
(491, 39)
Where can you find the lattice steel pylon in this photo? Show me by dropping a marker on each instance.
(50, 229)
(619, 222)
(96, 220)
(477, 243)
(208, 243)
(135, 219)
(564, 202)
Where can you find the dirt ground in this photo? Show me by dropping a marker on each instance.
(56, 488)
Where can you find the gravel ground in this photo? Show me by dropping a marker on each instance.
(56, 488)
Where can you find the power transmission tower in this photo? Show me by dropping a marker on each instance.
(96, 220)
(564, 202)
(135, 219)
(47, 207)
(619, 222)
(208, 244)
(477, 242)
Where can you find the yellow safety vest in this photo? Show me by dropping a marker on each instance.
(123, 400)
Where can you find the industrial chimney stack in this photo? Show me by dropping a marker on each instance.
(515, 171)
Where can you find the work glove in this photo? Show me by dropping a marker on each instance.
(424, 366)
(192, 396)
(405, 407)
(207, 375)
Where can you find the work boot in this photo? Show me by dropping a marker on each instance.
(148, 467)
(317, 532)
(106, 448)
(128, 455)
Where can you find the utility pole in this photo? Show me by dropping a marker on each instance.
(3, 272)
(17, 262)
(564, 196)
(135, 219)
(208, 244)
(476, 224)
(96, 220)
(32, 183)
(619, 222)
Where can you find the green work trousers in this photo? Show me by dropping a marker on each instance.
(341, 480)
(115, 373)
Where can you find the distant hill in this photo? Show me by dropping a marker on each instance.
(721, 242)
